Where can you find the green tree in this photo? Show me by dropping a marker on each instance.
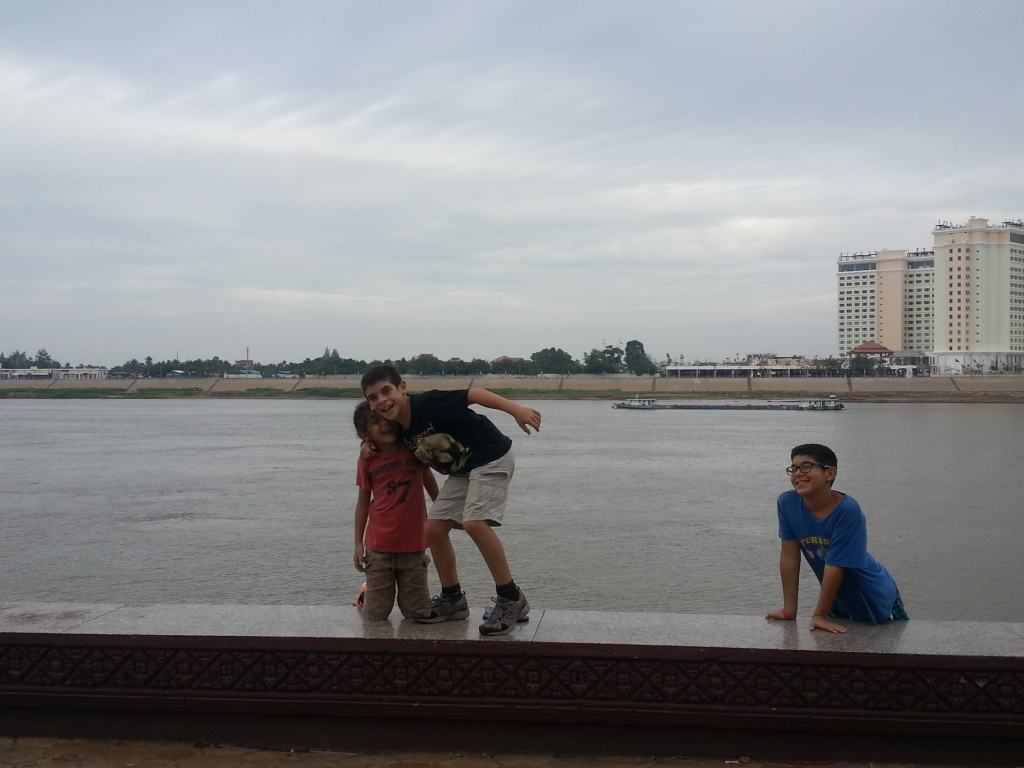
(426, 365)
(830, 366)
(553, 360)
(607, 360)
(637, 361)
(456, 366)
(479, 367)
(514, 366)
(43, 360)
(861, 365)
(17, 359)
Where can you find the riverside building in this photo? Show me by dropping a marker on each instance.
(979, 302)
(961, 303)
(886, 297)
(85, 372)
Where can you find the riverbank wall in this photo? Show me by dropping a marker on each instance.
(565, 682)
(885, 389)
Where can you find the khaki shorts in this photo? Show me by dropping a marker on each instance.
(386, 571)
(478, 496)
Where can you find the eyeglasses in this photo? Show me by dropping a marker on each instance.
(807, 466)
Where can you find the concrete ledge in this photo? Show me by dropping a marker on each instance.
(572, 681)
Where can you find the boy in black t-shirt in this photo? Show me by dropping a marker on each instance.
(441, 429)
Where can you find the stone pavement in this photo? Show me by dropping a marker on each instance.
(80, 753)
(914, 638)
(240, 656)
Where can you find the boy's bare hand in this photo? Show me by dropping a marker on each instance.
(359, 559)
(367, 450)
(822, 623)
(781, 615)
(526, 418)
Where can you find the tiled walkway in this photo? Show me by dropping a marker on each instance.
(72, 753)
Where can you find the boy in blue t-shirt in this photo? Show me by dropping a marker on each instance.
(831, 531)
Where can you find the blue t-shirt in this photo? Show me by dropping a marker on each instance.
(841, 539)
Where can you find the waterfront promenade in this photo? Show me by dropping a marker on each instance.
(79, 753)
(589, 684)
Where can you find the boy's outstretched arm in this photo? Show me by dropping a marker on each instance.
(789, 570)
(362, 515)
(830, 583)
(525, 417)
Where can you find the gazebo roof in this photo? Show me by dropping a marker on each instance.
(870, 348)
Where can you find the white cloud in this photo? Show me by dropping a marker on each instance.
(475, 182)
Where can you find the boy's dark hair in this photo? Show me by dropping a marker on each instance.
(361, 418)
(820, 453)
(380, 373)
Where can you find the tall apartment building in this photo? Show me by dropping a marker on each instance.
(979, 295)
(856, 300)
(962, 303)
(886, 297)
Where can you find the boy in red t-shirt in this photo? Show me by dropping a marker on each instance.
(390, 514)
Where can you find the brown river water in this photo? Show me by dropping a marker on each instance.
(250, 501)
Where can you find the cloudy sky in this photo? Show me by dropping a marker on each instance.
(481, 178)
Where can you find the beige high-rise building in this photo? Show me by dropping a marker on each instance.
(961, 303)
(856, 294)
(979, 291)
(886, 297)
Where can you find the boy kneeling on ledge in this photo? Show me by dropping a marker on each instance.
(831, 531)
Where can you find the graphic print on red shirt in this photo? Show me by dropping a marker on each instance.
(397, 506)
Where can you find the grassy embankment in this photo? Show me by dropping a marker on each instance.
(298, 394)
(93, 393)
(156, 393)
(1001, 390)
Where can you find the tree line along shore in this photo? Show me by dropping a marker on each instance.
(868, 389)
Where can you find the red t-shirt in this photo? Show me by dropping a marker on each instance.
(397, 506)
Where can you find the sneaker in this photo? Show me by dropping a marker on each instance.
(487, 614)
(505, 614)
(441, 608)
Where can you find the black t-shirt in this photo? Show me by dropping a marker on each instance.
(452, 439)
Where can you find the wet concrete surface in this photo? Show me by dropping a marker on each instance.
(76, 753)
(913, 638)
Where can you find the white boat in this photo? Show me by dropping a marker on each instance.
(830, 403)
(637, 403)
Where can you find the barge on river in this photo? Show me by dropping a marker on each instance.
(637, 403)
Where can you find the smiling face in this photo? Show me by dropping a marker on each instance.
(813, 482)
(389, 401)
(380, 431)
